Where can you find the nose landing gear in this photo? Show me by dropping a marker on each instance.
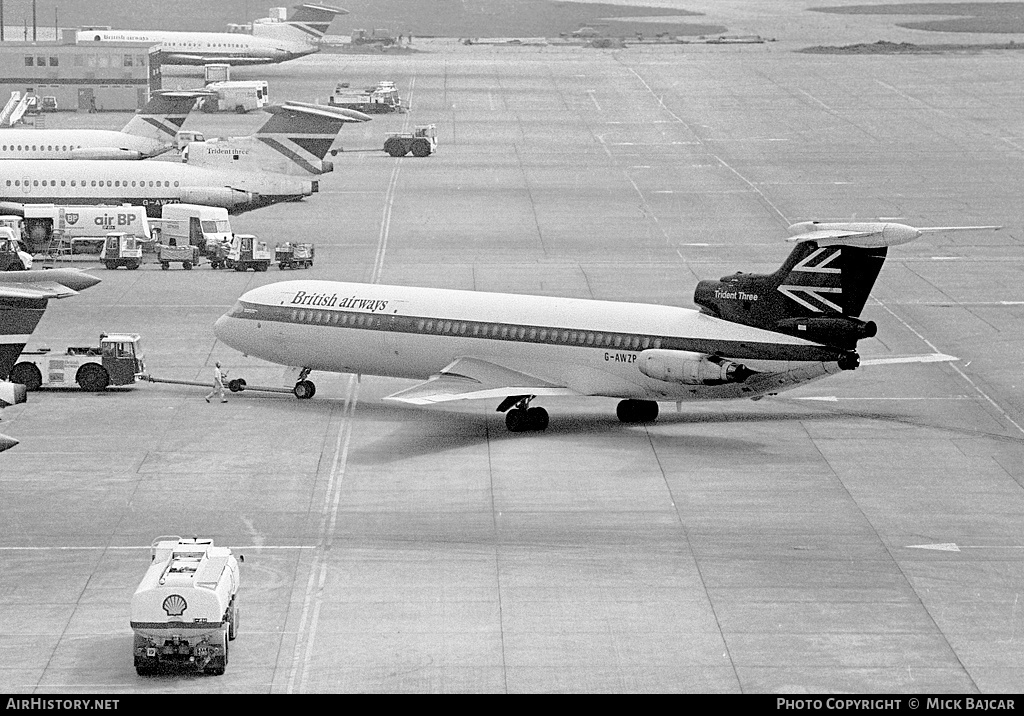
(304, 389)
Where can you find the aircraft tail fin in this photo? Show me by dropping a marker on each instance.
(307, 23)
(294, 140)
(162, 117)
(819, 291)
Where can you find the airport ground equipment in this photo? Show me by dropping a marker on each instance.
(292, 256)
(195, 224)
(13, 256)
(382, 99)
(42, 222)
(422, 142)
(236, 96)
(218, 254)
(187, 255)
(248, 252)
(185, 610)
(121, 249)
(235, 385)
(115, 361)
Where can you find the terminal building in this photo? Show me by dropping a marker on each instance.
(103, 78)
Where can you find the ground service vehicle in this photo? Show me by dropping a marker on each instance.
(248, 252)
(195, 224)
(185, 137)
(49, 104)
(422, 142)
(236, 96)
(218, 254)
(291, 256)
(121, 250)
(13, 256)
(114, 362)
(381, 99)
(43, 221)
(185, 610)
(186, 255)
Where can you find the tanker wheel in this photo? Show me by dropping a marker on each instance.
(144, 667)
(92, 377)
(28, 375)
(421, 148)
(217, 664)
(233, 623)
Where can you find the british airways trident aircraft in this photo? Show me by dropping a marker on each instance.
(754, 335)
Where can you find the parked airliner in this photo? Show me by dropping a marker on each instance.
(237, 187)
(23, 299)
(270, 43)
(754, 335)
(150, 132)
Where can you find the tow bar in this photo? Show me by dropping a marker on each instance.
(235, 385)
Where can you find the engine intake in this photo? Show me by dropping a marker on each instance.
(691, 368)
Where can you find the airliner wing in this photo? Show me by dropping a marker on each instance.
(475, 378)
(42, 289)
(925, 358)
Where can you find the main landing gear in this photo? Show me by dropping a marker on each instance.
(304, 389)
(523, 418)
(637, 411)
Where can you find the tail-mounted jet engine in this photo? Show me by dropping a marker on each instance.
(691, 368)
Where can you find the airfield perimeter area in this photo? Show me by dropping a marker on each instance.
(758, 547)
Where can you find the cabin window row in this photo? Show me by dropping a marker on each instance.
(40, 148)
(74, 182)
(501, 331)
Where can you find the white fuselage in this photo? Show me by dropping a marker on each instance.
(149, 184)
(69, 143)
(590, 347)
(200, 48)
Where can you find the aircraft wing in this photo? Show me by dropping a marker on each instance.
(925, 358)
(41, 289)
(475, 378)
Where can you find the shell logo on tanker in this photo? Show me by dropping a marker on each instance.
(175, 605)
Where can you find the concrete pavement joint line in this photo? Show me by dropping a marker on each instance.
(497, 550)
(955, 367)
(888, 552)
(533, 202)
(707, 148)
(696, 563)
(313, 596)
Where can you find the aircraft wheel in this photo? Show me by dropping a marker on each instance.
(304, 389)
(28, 375)
(236, 385)
(537, 418)
(637, 411)
(92, 377)
(515, 420)
(849, 361)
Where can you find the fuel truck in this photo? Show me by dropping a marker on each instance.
(185, 610)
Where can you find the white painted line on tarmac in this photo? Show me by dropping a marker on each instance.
(133, 547)
(954, 547)
(594, 100)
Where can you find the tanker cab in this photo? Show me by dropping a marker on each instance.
(122, 357)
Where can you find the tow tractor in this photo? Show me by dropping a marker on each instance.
(248, 252)
(114, 362)
(289, 255)
(422, 142)
(13, 256)
(120, 249)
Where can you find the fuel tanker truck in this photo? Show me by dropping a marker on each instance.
(185, 610)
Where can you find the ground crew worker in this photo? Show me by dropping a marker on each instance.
(218, 384)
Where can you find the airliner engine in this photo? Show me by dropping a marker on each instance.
(691, 368)
(216, 196)
(105, 153)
